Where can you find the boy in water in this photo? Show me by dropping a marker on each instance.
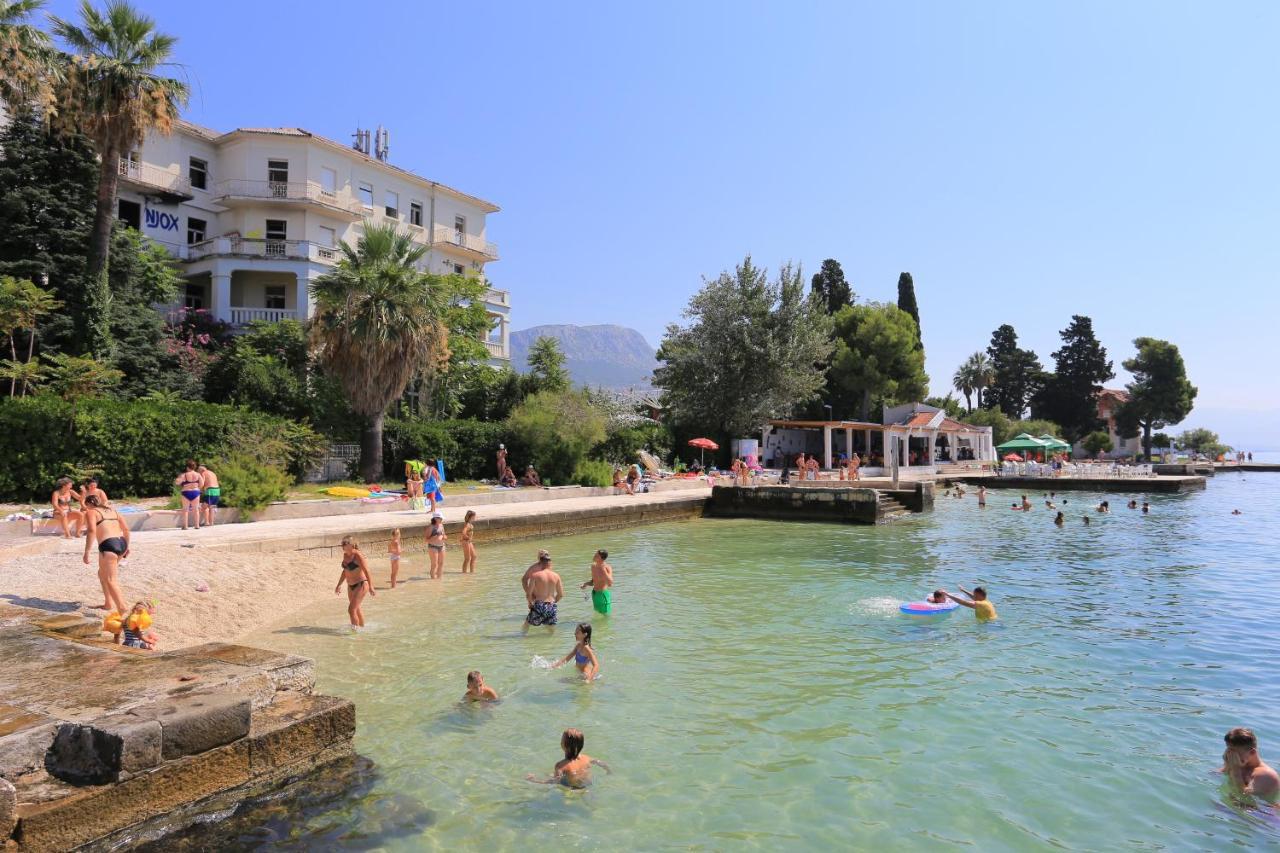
(601, 583)
(1246, 769)
(477, 690)
(977, 602)
(575, 770)
(938, 596)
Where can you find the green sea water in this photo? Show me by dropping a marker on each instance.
(761, 691)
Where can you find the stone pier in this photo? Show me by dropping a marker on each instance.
(845, 504)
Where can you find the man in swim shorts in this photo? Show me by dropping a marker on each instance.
(1246, 769)
(543, 590)
(210, 493)
(600, 583)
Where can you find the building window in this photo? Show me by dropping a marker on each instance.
(495, 332)
(198, 174)
(457, 269)
(278, 178)
(277, 233)
(460, 225)
(196, 229)
(130, 213)
(366, 195)
(393, 205)
(328, 181)
(415, 213)
(193, 297)
(275, 296)
(328, 237)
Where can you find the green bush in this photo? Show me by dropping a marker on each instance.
(138, 445)
(248, 484)
(593, 472)
(559, 428)
(468, 447)
(623, 445)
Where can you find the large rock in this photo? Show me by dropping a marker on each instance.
(198, 722)
(8, 810)
(107, 750)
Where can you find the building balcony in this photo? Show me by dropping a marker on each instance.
(468, 244)
(172, 187)
(237, 192)
(495, 348)
(255, 247)
(498, 297)
(245, 316)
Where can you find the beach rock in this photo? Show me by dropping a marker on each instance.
(23, 750)
(8, 809)
(107, 750)
(199, 722)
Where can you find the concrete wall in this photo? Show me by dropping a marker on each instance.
(783, 503)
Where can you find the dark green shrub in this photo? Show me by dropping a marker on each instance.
(468, 447)
(623, 445)
(138, 445)
(249, 485)
(593, 472)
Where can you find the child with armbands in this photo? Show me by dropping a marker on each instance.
(133, 630)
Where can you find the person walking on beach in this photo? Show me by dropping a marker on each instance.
(394, 555)
(543, 590)
(1246, 769)
(976, 601)
(104, 527)
(188, 483)
(435, 546)
(575, 770)
(601, 583)
(583, 656)
(210, 492)
(502, 460)
(355, 572)
(468, 537)
(62, 498)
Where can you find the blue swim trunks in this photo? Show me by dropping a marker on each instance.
(542, 613)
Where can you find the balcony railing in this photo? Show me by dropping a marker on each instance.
(256, 247)
(463, 240)
(498, 297)
(495, 349)
(153, 176)
(299, 191)
(244, 316)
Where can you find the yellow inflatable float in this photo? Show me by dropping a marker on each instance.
(347, 492)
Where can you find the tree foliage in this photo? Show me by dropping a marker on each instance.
(754, 350)
(546, 366)
(1160, 393)
(876, 359)
(1199, 440)
(1098, 442)
(907, 302)
(829, 286)
(28, 62)
(972, 377)
(558, 428)
(1018, 374)
(1069, 394)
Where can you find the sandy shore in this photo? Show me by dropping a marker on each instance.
(245, 590)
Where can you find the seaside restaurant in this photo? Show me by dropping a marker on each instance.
(926, 438)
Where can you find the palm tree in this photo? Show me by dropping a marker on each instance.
(113, 95)
(28, 62)
(972, 376)
(378, 324)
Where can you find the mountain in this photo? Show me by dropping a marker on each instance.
(606, 356)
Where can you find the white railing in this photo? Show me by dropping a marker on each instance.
(285, 191)
(154, 176)
(470, 242)
(256, 247)
(498, 297)
(495, 349)
(244, 316)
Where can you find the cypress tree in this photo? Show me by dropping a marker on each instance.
(830, 287)
(907, 302)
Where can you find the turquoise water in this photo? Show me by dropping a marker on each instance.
(760, 690)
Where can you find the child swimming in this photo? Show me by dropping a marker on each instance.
(468, 536)
(393, 553)
(359, 582)
(477, 690)
(575, 770)
(583, 656)
(938, 596)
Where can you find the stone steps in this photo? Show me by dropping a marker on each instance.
(889, 509)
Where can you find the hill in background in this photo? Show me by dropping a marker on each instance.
(606, 356)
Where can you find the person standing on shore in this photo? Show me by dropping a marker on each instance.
(104, 526)
(394, 554)
(210, 492)
(435, 546)
(502, 460)
(468, 537)
(855, 463)
(188, 483)
(359, 582)
(543, 590)
(601, 583)
(1246, 769)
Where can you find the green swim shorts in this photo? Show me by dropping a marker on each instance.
(602, 600)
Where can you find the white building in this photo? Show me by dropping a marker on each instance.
(256, 214)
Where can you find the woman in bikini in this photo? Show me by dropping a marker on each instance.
(62, 500)
(189, 484)
(112, 536)
(583, 656)
(435, 546)
(356, 576)
(468, 542)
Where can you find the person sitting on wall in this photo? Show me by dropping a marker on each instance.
(508, 477)
(531, 478)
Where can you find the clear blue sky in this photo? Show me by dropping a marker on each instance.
(1025, 161)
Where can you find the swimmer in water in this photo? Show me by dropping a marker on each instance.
(1245, 768)
(1086, 520)
(1105, 506)
(1026, 504)
(477, 690)
(1050, 505)
(976, 601)
(1236, 512)
(582, 655)
(1146, 508)
(1059, 519)
(1133, 505)
(982, 495)
(938, 596)
(575, 770)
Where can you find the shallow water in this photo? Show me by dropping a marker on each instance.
(760, 689)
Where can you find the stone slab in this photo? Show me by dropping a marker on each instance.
(23, 750)
(297, 728)
(198, 722)
(106, 750)
(8, 809)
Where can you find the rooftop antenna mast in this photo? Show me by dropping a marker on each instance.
(360, 141)
(382, 144)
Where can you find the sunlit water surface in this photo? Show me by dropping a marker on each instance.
(761, 690)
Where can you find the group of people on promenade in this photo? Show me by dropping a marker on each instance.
(201, 494)
(507, 476)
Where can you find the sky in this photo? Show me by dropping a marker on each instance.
(1024, 161)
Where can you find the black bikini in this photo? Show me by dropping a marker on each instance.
(116, 544)
(353, 566)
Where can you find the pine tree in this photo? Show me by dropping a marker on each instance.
(829, 286)
(907, 302)
(1018, 374)
(1069, 395)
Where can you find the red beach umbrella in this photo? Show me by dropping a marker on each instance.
(1012, 457)
(703, 444)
